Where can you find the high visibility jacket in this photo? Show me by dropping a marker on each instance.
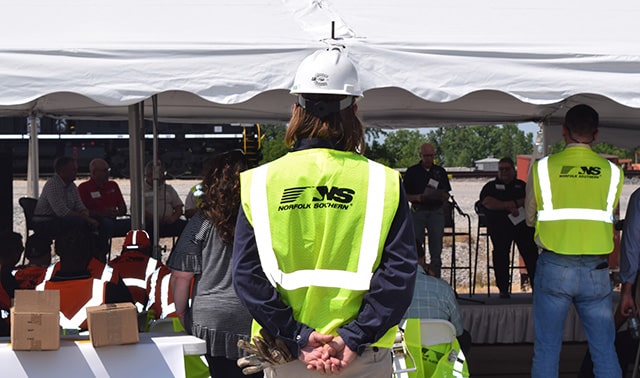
(75, 297)
(320, 235)
(444, 360)
(29, 276)
(160, 294)
(576, 193)
(97, 269)
(135, 269)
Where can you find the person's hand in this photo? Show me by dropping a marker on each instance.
(113, 212)
(338, 354)
(311, 354)
(514, 211)
(92, 222)
(627, 305)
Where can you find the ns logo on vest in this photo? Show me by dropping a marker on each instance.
(574, 171)
(321, 197)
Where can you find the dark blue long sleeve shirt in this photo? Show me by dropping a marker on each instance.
(382, 307)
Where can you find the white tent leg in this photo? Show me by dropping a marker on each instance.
(33, 164)
(136, 151)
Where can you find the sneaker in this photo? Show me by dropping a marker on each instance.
(504, 295)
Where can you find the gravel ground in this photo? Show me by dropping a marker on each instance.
(465, 192)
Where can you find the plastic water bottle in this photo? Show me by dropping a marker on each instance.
(634, 327)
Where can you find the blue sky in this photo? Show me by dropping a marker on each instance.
(529, 127)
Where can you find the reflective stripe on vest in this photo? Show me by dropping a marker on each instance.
(48, 273)
(106, 275)
(142, 282)
(458, 365)
(167, 308)
(152, 288)
(359, 280)
(97, 298)
(548, 213)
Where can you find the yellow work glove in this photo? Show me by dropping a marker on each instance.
(265, 351)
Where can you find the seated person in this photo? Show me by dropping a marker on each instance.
(136, 265)
(38, 252)
(10, 251)
(78, 289)
(502, 198)
(626, 348)
(98, 270)
(193, 201)
(104, 199)
(169, 203)
(60, 208)
(433, 298)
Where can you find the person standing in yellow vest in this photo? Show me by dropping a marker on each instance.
(324, 253)
(570, 199)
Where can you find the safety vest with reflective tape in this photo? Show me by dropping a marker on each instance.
(444, 360)
(96, 268)
(29, 276)
(160, 294)
(576, 193)
(75, 297)
(320, 234)
(136, 268)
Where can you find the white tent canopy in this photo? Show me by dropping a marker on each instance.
(422, 63)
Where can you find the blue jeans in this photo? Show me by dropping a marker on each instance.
(433, 220)
(560, 281)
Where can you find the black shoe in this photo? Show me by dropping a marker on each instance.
(504, 295)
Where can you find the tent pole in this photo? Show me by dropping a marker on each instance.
(136, 141)
(33, 163)
(156, 178)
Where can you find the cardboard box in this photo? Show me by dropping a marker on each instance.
(113, 324)
(35, 320)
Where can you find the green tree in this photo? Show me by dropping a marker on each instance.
(609, 149)
(273, 145)
(601, 148)
(403, 147)
(462, 146)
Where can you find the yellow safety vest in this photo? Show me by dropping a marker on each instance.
(576, 193)
(321, 218)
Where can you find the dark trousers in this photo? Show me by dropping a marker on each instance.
(502, 235)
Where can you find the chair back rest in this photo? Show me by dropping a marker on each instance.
(28, 205)
(436, 331)
(480, 211)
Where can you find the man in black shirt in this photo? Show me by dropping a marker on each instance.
(503, 200)
(427, 186)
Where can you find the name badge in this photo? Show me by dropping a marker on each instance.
(95, 195)
(500, 187)
(433, 183)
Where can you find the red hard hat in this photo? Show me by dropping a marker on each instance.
(136, 240)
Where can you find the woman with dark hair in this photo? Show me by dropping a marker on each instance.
(204, 252)
(324, 254)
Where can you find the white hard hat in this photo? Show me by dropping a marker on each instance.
(328, 71)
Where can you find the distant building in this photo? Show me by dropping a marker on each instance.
(489, 164)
